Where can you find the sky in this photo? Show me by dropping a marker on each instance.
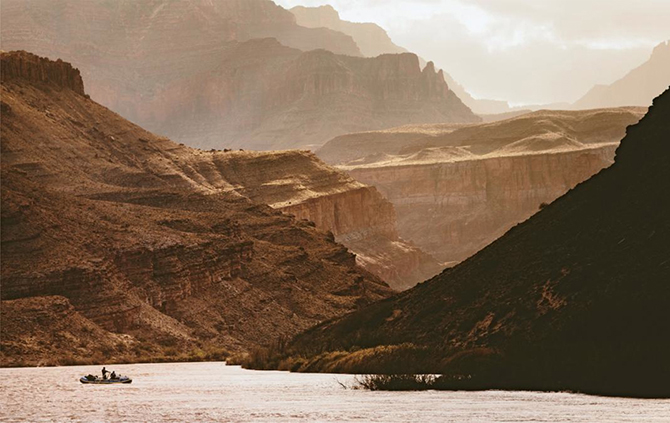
(522, 51)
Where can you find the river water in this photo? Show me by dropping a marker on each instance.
(200, 392)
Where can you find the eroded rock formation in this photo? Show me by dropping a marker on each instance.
(458, 188)
(233, 73)
(357, 215)
(114, 229)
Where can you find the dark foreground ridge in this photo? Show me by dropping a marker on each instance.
(575, 298)
(118, 245)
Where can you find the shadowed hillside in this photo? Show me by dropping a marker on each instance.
(575, 298)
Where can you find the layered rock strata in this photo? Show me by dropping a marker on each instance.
(458, 188)
(130, 235)
(357, 215)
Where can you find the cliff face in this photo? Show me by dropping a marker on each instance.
(454, 209)
(122, 231)
(204, 72)
(575, 298)
(17, 65)
(303, 99)
(456, 189)
(357, 215)
(637, 88)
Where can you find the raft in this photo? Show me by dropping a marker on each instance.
(100, 381)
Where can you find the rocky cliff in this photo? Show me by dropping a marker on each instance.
(575, 298)
(143, 242)
(234, 73)
(357, 215)
(304, 99)
(638, 88)
(456, 189)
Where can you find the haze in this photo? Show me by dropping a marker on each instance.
(522, 51)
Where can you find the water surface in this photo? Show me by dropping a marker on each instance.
(216, 392)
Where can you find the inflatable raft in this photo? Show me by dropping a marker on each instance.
(96, 380)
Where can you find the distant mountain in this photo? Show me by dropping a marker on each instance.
(371, 38)
(575, 298)
(231, 73)
(118, 244)
(373, 41)
(638, 88)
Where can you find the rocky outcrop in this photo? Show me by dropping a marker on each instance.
(19, 64)
(357, 215)
(575, 298)
(229, 74)
(638, 88)
(146, 239)
(456, 189)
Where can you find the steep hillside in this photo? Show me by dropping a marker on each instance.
(122, 245)
(637, 88)
(232, 73)
(457, 188)
(574, 298)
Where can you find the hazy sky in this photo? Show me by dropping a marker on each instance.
(523, 51)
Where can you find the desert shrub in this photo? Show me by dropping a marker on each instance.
(171, 351)
(395, 382)
(216, 354)
(267, 358)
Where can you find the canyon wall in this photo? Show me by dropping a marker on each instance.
(304, 99)
(454, 209)
(456, 188)
(357, 215)
(142, 241)
(233, 73)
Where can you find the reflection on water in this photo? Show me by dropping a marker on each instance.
(216, 392)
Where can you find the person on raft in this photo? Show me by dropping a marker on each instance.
(104, 373)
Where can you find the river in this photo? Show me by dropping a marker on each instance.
(203, 392)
